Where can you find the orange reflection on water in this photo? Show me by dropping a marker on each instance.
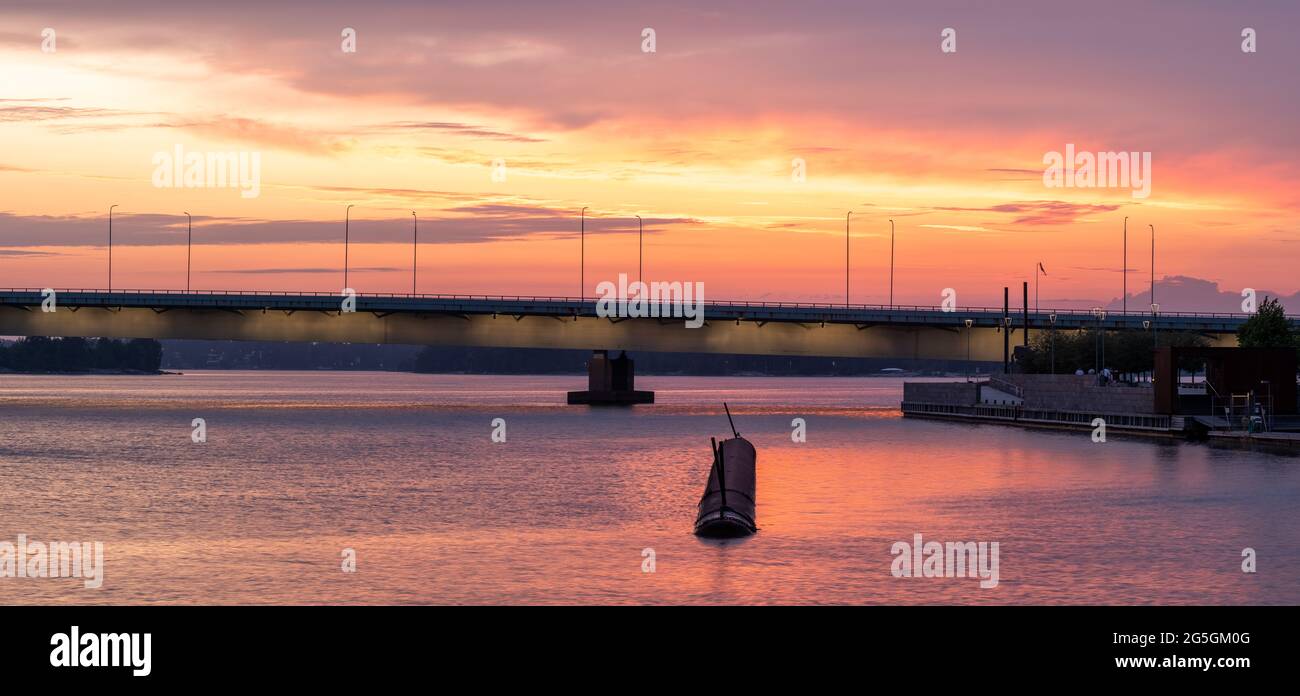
(401, 469)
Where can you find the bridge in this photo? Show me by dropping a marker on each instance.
(735, 327)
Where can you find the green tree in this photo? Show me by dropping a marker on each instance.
(74, 354)
(1268, 328)
(1128, 352)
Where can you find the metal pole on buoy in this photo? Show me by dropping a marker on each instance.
(722, 477)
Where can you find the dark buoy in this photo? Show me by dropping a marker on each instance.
(727, 508)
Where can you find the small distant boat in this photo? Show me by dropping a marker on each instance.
(727, 508)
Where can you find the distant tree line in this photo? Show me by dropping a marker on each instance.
(45, 354)
(1131, 352)
(278, 355)
(452, 359)
(268, 355)
(1127, 353)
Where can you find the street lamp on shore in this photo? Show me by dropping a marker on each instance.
(1100, 355)
(969, 324)
(1155, 330)
(1006, 337)
(1052, 319)
(110, 246)
(415, 248)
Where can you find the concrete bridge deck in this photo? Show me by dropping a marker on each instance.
(756, 328)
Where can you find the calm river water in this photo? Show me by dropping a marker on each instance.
(401, 469)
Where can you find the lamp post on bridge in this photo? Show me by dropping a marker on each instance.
(347, 215)
(891, 263)
(1124, 270)
(582, 253)
(846, 257)
(1154, 306)
(110, 246)
(189, 245)
(415, 248)
(640, 247)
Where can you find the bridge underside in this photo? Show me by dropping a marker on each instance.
(506, 331)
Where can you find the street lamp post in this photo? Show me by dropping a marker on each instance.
(415, 248)
(1052, 319)
(891, 263)
(189, 245)
(846, 257)
(110, 246)
(1146, 326)
(347, 215)
(969, 324)
(1155, 330)
(1100, 352)
(582, 253)
(640, 247)
(1155, 307)
(1124, 269)
(1006, 329)
(1153, 263)
(1101, 336)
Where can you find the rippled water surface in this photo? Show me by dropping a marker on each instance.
(401, 468)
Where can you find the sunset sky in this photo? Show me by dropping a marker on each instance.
(696, 137)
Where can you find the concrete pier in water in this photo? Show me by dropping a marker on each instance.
(610, 382)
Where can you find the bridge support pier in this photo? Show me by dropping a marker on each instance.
(610, 382)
